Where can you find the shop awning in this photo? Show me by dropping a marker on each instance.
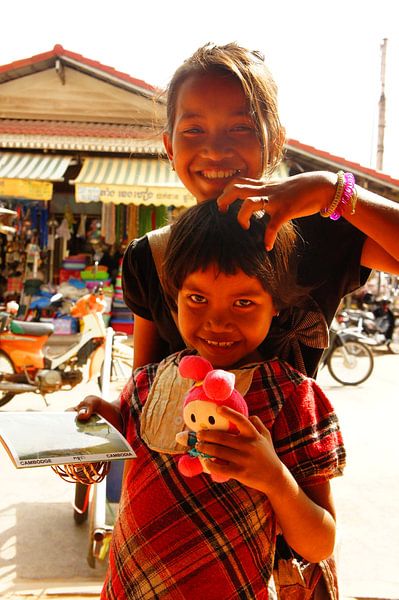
(130, 181)
(30, 176)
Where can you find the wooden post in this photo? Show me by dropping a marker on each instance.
(381, 109)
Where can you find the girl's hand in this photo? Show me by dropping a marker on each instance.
(305, 518)
(88, 406)
(107, 410)
(289, 198)
(249, 456)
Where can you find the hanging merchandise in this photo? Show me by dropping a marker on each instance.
(161, 216)
(145, 224)
(81, 232)
(94, 232)
(152, 217)
(125, 230)
(123, 223)
(64, 234)
(32, 225)
(119, 212)
(25, 249)
(108, 223)
(69, 216)
(52, 224)
(132, 222)
(33, 259)
(43, 228)
(25, 221)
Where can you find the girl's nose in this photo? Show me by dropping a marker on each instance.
(218, 321)
(217, 147)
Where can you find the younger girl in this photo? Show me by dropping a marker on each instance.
(178, 537)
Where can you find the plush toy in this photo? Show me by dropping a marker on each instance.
(213, 388)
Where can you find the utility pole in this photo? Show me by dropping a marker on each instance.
(381, 109)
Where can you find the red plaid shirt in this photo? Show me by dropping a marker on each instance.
(190, 538)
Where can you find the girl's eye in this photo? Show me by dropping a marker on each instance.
(192, 130)
(243, 303)
(241, 128)
(211, 420)
(197, 299)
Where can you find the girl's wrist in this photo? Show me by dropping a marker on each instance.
(344, 199)
(327, 189)
(277, 480)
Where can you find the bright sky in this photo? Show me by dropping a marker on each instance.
(325, 56)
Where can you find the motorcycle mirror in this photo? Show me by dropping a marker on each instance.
(56, 298)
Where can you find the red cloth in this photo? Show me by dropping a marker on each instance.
(189, 538)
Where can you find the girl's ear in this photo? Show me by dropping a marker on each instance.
(168, 145)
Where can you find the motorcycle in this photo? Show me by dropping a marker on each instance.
(25, 363)
(348, 358)
(117, 369)
(379, 326)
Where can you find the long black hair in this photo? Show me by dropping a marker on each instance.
(250, 70)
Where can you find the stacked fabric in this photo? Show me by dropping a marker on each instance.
(121, 316)
(72, 267)
(76, 262)
(95, 273)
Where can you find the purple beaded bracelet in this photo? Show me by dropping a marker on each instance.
(347, 193)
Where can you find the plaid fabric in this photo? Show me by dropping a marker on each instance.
(189, 538)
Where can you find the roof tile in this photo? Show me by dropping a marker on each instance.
(76, 128)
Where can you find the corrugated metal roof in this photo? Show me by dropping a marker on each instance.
(38, 167)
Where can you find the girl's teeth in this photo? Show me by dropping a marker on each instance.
(220, 174)
(219, 344)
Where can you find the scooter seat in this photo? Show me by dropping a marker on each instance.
(31, 328)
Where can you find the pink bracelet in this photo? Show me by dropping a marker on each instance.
(346, 195)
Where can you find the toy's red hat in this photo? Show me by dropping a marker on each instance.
(214, 385)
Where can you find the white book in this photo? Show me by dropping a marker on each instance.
(39, 439)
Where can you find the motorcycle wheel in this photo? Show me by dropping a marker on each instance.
(393, 344)
(351, 364)
(81, 505)
(6, 366)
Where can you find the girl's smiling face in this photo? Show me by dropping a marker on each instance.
(214, 138)
(224, 317)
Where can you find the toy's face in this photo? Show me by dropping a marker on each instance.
(201, 414)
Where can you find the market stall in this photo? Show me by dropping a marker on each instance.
(136, 195)
(70, 233)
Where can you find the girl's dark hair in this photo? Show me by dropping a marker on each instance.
(204, 236)
(257, 83)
